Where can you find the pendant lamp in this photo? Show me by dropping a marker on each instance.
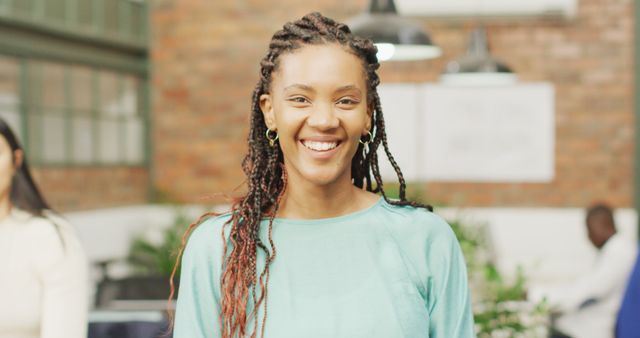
(397, 38)
(477, 66)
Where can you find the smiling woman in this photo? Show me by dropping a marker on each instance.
(317, 104)
(315, 233)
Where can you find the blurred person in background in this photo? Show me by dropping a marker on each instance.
(587, 308)
(44, 272)
(334, 254)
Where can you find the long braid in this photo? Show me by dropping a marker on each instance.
(267, 178)
(381, 137)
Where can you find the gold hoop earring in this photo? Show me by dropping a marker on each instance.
(367, 141)
(272, 141)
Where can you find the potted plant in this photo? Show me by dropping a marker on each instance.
(151, 262)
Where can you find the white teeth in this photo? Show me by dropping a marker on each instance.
(320, 146)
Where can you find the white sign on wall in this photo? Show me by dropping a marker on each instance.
(400, 107)
(471, 134)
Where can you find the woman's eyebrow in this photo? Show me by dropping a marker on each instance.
(299, 86)
(309, 88)
(347, 87)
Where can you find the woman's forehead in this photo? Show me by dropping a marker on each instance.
(320, 65)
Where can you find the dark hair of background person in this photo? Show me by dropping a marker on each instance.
(266, 175)
(24, 192)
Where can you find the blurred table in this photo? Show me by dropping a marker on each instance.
(128, 324)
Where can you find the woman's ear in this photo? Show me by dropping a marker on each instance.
(18, 157)
(266, 105)
(367, 124)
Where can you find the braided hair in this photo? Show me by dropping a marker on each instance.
(267, 179)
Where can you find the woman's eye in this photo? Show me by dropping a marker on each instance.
(298, 99)
(347, 101)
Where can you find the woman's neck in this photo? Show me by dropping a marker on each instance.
(306, 201)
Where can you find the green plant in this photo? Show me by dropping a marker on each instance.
(162, 196)
(500, 306)
(149, 258)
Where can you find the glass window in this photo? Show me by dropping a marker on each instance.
(110, 95)
(47, 112)
(9, 93)
(137, 19)
(53, 139)
(55, 10)
(111, 17)
(76, 111)
(74, 114)
(23, 7)
(82, 90)
(111, 110)
(85, 14)
(129, 96)
(34, 136)
(134, 131)
(52, 84)
(109, 137)
(119, 19)
(82, 101)
(82, 147)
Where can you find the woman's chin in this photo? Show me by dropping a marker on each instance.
(321, 177)
(322, 181)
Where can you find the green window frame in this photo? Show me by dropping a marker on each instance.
(117, 21)
(83, 82)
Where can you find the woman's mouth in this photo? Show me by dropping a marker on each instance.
(320, 146)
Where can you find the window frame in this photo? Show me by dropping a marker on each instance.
(30, 38)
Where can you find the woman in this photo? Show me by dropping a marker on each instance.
(44, 275)
(315, 248)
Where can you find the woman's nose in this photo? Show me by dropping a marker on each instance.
(323, 117)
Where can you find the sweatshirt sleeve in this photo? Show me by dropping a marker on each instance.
(62, 269)
(198, 305)
(449, 302)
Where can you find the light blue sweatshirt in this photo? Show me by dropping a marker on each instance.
(382, 272)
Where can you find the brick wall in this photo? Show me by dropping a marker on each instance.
(69, 189)
(205, 58)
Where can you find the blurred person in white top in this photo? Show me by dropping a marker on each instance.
(587, 308)
(43, 278)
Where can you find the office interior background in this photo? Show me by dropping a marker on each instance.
(124, 105)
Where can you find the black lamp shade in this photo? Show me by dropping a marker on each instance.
(397, 38)
(477, 66)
